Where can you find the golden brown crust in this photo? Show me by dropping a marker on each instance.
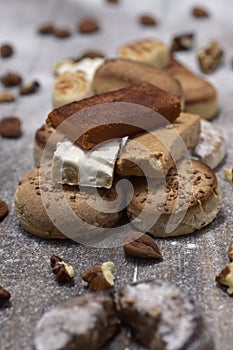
(191, 191)
(32, 196)
(196, 89)
(188, 129)
(156, 152)
(118, 73)
(96, 126)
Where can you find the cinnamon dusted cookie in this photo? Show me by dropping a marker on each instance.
(43, 207)
(189, 199)
(163, 317)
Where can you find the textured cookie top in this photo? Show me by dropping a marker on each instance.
(188, 186)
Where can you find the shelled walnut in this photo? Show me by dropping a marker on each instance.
(99, 277)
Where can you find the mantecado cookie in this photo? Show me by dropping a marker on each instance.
(189, 199)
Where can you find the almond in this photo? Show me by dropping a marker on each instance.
(142, 246)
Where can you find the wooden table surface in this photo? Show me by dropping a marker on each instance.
(191, 262)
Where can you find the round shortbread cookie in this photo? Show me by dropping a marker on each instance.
(71, 86)
(211, 147)
(191, 198)
(34, 198)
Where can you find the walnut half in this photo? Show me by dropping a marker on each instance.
(225, 278)
(99, 277)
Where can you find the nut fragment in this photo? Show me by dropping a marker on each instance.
(230, 252)
(6, 96)
(99, 277)
(210, 57)
(228, 175)
(88, 25)
(4, 296)
(183, 42)
(89, 54)
(143, 246)
(6, 50)
(63, 271)
(225, 278)
(11, 79)
(29, 88)
(62, 33)
(200, 12)
(10, 127)
(148, 20)
(45, 29)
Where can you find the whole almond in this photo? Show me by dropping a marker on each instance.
(143, 246)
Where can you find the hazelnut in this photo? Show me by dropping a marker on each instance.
(63, 271)
(225, 278)
(99, 277)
